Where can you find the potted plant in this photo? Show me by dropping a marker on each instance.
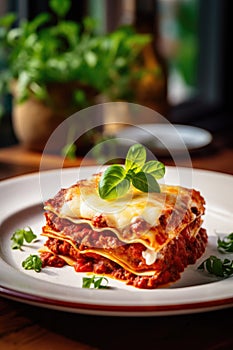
(56, 66)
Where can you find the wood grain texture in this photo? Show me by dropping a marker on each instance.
(20, 330)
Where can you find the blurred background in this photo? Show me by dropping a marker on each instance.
(187, 63)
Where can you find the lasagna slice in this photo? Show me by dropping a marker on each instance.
(143, 239)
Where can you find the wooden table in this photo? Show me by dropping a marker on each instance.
(26, 327)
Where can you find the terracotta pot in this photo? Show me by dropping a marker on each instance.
(34, 120)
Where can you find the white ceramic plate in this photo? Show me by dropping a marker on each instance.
(166, 138)
(21, 205)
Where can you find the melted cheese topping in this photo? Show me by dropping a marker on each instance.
(119, 213)
(82, 203)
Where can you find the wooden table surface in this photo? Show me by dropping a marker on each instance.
(27, 327)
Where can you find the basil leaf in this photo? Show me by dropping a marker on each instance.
(8, 20)
(217, 267)
(226, 244)
(95, 281)
(113, 183)
(28, 234)
(87, 281)
(155, 168)
(17, 239)
(69, 151)
(116, 180)
(60, 7)
(20, 235)
(145, 182)
(32, 262)
(135, 157)
(98, 283)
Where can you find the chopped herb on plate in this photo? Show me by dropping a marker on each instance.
(21, 235)
(32, 262)
(95, 282)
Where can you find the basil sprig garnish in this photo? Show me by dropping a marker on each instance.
(116, 180)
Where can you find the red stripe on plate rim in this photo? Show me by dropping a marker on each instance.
(131, 309)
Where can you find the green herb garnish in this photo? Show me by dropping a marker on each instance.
(226, 244)
(115, 181)
(217, 267)
(20, 235)
(94, 282)
(69, 151)
(32, 262)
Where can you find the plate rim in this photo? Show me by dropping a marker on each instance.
(116, 310)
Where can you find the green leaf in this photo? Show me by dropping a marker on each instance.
(98, 282)
(87, 282)
(69, 151)
(145, 182)
(95, 281)
(23, 83)
(28, 234)
(7, 20)
(113, 183)
(17, 239)
(60, 7)
(91, 58)
(13, 35)
(80, 97)
(38, 21)
(89, 24)
(32, 262)
(155, 168)
(20, 235)
(135, 157)
(226, 244)
(217, 267)
(39, 91)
